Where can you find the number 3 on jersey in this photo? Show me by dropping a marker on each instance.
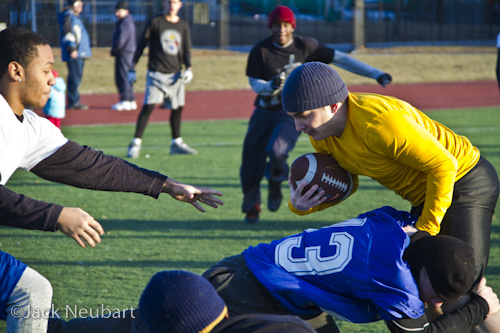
(311, 263)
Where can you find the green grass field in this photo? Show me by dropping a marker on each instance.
(143, 235)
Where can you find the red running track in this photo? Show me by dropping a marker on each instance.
(238, 104)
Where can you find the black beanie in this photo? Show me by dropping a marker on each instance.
(182, 302)
(71, 3)
(121, 5)
(449, 262)
(311, 86)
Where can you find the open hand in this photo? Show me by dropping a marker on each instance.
(79, 225)
(192, 194)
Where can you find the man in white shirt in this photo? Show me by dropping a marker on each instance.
(33, 143)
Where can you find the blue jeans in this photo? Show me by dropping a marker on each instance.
(75, 73)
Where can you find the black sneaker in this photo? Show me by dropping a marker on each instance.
(274, 197)
(252, 216)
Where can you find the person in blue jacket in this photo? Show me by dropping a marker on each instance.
(75, 48)
(361, 270)
(55, 109)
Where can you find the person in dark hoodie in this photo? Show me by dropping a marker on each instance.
(123, 48)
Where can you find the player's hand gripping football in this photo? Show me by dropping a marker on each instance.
(309, 199)
(192, 194)
(79, 225)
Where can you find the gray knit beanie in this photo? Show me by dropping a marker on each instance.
(311, 86)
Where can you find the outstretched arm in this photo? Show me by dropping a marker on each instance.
(355, 66)
(84, 167)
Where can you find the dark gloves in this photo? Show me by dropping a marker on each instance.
(131, 76)
(277, 82)
(384, 79)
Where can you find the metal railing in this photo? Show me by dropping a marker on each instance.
(232, 24)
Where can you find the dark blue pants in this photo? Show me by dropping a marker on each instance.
(270, 137)
(126, 321)
(243, 293)
(75, 73)
(123, 62)
(470, 215)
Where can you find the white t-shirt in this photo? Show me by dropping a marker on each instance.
(24, 144)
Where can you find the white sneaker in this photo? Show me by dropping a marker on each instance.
(133, 105)
(181, 148)
(134, 148)
(122, 106)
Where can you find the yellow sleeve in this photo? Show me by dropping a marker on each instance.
(411, 144)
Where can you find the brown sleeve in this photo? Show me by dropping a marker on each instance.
(19, 211)
(84, 167)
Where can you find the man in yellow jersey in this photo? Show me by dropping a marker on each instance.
(452, 189)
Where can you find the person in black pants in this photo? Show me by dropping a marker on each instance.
(123, 48)
(169, 42)
(271, 134)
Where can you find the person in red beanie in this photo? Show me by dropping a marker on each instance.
(271, 133)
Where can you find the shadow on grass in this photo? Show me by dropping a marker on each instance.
(204, 229)
(210, 225)
(493, 270)
(194, 264)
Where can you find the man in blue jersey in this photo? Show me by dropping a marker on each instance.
(350, 271)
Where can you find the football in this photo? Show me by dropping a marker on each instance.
(323, 170)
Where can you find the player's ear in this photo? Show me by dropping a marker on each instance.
(15, 70)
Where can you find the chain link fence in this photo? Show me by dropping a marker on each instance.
(239, 24)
